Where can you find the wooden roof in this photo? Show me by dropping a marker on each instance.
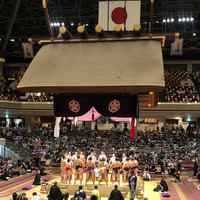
(96, 67)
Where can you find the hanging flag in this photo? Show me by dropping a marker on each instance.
(177, 47)
(28, 50)
(119, 12)
(133, 131)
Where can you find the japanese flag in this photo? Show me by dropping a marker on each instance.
(113, 12)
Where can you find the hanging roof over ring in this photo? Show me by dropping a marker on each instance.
(121, 66)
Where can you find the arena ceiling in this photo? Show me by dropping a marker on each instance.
(23, 19)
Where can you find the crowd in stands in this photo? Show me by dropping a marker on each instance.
(8, 168)
(35, 98)
(157, 151)
(181, 87)
(9, 90)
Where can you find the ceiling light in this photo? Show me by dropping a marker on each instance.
(183, 19)
(188, 19)
(179, 19)
(58, 24)
(168, 20)
(72, 24)
(164, 20)
(62, 23)
(191, 19)
(55, 24)
(172, 19)
(194, 34)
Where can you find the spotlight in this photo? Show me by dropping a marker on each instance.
(188, 19)
(62, 23)
(99, 31)
(179, 19)
(172, 19)
(58, 24)
(2, 60)
(164, 20)
(183, 19)
(136, 30)
(118, 30)
(82, 32)
(55, 24)
(168, 20)
(65, 33)
(194, 34)
(51, 24)
(191, 19)
(86, 24)
(72, 24)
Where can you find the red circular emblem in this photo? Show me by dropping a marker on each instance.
(114, 106)
(74, 106)
(117, 15)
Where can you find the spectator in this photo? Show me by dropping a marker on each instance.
(195, 168)
(66, 196)
(198, 177)
(42, 173)
(132, 179)
(176, 177)
(36, 196)
(15, 196)
(116, 194)
(95, 192)
(23, 197)
(80, 194)
(146, 176)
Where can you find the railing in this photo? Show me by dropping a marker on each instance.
(14, 151)
(21, 151)
(9, 153)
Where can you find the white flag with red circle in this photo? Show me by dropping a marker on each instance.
(125, 13)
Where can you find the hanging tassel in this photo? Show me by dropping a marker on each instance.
(92, 113)
(133, 131)
(57, 127)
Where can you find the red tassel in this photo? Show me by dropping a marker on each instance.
(93, 114)
(132, 131)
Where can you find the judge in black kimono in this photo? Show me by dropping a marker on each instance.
(37, 178)
(164, 185)
(55, 193)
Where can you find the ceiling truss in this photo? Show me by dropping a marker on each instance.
(30, 22)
